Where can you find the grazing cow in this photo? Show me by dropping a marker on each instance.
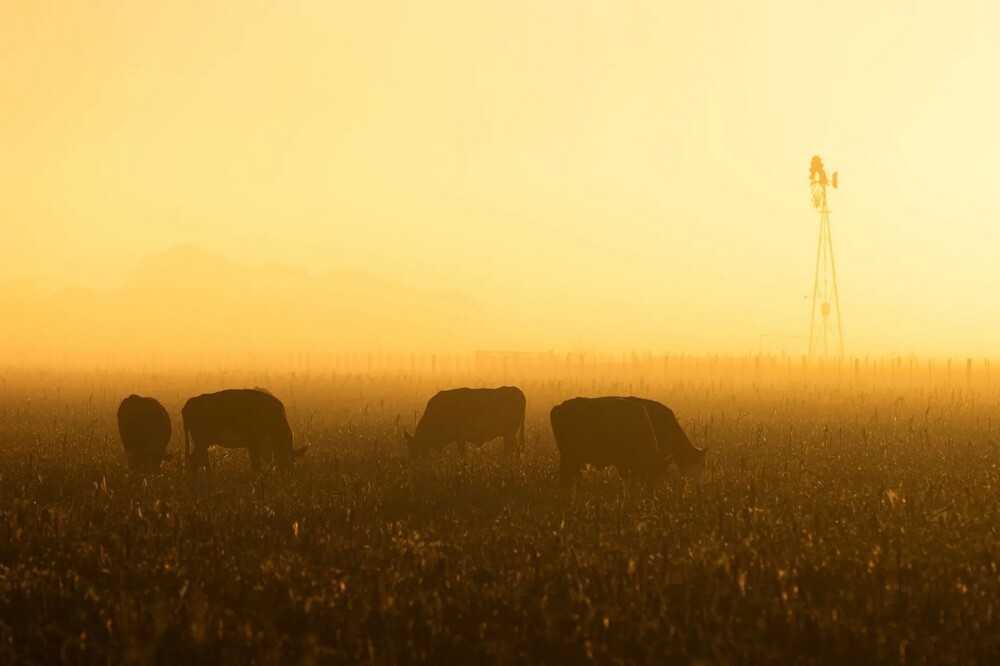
(235, 419)
(144, 426)
(671, 441)
(602, 432)
(470, 416)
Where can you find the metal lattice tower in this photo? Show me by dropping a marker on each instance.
(825, 281)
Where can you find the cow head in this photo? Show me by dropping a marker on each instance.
(415, 446)
(286, 462)
(693, 466)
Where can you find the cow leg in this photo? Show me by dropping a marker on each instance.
(510, 444)
(268, 457)
(199, 459)
(569, 470)
(254, 458)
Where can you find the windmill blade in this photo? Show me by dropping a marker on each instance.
(833, 180)
(817, 195)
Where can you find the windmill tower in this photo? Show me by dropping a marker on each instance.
(821, 329)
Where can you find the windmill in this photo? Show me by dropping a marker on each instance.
(825, 281)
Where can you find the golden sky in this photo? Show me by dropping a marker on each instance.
(613, 175)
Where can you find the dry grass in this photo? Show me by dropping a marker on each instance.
(831, 526)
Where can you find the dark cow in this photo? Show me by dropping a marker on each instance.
(470, 416)
(672, 443)
(604, 432)
(236, 419)
(144, 426)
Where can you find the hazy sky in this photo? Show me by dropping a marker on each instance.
(614, 175)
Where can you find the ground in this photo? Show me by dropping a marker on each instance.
(835, 523)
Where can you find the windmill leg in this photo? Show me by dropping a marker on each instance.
(836, 294)
(812, 312)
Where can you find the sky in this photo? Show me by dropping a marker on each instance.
(562, 175)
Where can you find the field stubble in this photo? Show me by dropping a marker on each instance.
(830, 526)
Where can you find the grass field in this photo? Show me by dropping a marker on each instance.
(832, 525)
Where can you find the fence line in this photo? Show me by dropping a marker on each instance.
(509, 366)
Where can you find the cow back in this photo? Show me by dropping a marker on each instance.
(471, 415)
(145, 428)
(236, 415)
(606, 431)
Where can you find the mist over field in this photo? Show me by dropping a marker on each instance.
(622, 177)
(185, 302)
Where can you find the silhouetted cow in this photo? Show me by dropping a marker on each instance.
(235, 419)
(470, 416)
(671, 441)
(605, 431)
(144, 426)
